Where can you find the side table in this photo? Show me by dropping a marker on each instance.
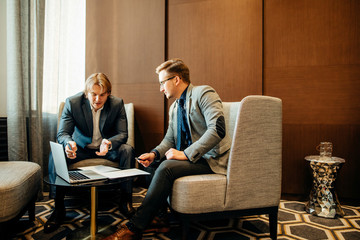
(323, 198)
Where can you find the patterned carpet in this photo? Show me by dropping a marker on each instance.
(294, 222)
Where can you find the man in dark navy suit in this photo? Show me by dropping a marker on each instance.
(93, 124)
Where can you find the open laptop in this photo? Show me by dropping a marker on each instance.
(71, 176)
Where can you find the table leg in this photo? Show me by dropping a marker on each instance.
(93, 229)
(93, 213)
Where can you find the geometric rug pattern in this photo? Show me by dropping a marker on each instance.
(293, 222)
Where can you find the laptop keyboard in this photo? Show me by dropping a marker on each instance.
(74, 175)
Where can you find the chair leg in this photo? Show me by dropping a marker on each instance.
(3, 232)
(185, 229)
(31, 210)
(273, 218)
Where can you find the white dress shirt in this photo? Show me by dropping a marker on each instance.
(96, 138)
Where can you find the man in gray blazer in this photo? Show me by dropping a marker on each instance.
(195, 143)
(93, 124)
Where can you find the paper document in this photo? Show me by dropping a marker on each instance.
(112, 173)
(100, 169)
(125, 173)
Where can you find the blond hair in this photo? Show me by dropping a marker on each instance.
(99, 79)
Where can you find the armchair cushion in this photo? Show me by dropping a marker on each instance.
(19, 184)
(191, 194)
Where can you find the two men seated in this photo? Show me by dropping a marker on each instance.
(93, 123)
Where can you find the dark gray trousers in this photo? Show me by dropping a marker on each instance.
(161, 186)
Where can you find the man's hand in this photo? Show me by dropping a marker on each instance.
(174, 154)
(70, 149)
(104, 147)
(146, 159)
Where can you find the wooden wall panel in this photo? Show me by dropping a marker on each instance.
(221, 42)
(312, 62)
(317, 94)
(125, 40)
(305, 52)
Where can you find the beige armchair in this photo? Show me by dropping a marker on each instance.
(129, 108)
(20, 182)
(253, 182)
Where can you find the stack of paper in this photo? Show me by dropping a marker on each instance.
(111, 172)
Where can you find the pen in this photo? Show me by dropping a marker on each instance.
(68, 144)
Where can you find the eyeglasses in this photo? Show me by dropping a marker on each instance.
(164, 81)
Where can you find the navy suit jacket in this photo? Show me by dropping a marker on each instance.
(76, 123)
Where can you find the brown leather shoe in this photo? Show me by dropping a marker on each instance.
(159, 225)
(123, 233)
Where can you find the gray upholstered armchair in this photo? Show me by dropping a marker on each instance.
(20, 182)
(253, 181)
(129, 108)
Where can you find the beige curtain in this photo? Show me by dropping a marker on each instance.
(64, 52)
(45, 64)
(25, 38)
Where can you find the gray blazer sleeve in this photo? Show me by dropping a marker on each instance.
(206, 120)
(207, 123)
